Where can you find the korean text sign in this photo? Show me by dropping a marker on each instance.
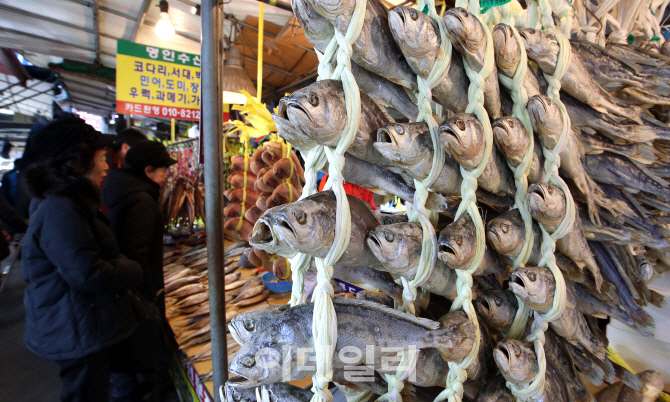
(157, 82)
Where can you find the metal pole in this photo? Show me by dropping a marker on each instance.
(212, 128)
(26, 98)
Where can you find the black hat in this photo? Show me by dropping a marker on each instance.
(61, 135)
(148, 153)
(128, 136)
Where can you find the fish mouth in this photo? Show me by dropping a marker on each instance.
(518, 285)
(262, 234)
(374, 244)
(456, 17)
(295, 107)
(502, 356)
(524, 35)
(494, 232)
(284, 225)
(484, 306)
(383, 136)
(398, 15)
(240, 381)
(450, 136)
(538, 192)
(282, 109)
(235, 334)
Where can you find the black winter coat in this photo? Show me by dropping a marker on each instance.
(77, 295)
(135, 217)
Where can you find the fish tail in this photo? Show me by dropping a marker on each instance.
(437, 202)
(657, 299)
(643, 321)
(627, 377)
(643, 153)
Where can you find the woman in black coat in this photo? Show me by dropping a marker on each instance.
(131, 197)
(77, 305)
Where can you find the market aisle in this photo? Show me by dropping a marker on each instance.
(23, 376)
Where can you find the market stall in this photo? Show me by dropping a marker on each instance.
(536, 198)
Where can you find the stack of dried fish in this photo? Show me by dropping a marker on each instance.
(182, 201)
(187, 295)
(615, 163)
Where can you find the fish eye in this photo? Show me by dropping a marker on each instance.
(532, 277)
(301, 216)
(531, 31)
(248, 362)
(505, 228)
(498, 301)
(389, 236)
(460, 124)
(511, 123)
(551, 190)
(414, 14)
(517, 351)
(249, 325)
(313, 99)
(236, 396)
(399, 129)
(459, 240)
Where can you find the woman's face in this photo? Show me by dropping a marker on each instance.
(157, 175)
(96, 175)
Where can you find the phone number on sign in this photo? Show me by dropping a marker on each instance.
(180, 113)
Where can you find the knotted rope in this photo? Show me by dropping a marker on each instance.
(535, 388)
(324, 323)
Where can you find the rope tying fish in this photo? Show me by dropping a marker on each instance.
(417, 212)
(519, 111)
(535, 388)
(324, 323)
(457, 370)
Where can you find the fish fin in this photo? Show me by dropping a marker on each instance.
(424, 322)
(386, 114)
(378, 191)
(643, 321)
(657, 299)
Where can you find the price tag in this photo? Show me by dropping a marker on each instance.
(486, 4)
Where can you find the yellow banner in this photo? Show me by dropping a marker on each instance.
(157, 82)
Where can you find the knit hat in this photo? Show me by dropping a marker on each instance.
(61, 135)
(148, 153)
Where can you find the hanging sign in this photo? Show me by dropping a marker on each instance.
(157, 82)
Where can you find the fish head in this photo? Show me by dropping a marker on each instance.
(333, 9)
(307, 225)
(506, 233)
(516, 360)
(264, 236)
(416, 33)
(498, 308)
(314, 25)
(317, 110)
(257, 363)
(545, 116)
(288, 131)
(402, 143)
(547, 203)
(462, 337)
(234, 394)
(464, 30)
(462, 136)
(456, 244)
(244, 325)
(534, 285)
(538, 43)
(507, 49)
(511, 138)
(396, 246)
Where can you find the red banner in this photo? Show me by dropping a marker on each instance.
(166, 112)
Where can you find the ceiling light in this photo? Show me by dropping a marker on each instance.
(164, 28)
(235, 78)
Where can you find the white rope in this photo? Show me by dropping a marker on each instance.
(324, 322)
(457, 370)
(535, 388)
(417, 211)
(519, 111)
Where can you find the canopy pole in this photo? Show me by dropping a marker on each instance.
(212, 127)
(259, 76)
